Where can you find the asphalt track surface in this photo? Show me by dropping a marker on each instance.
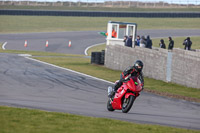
(58, 41)
(28, 83)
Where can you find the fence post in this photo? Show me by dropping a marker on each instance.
(169, 66)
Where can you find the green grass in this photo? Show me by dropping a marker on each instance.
(101, 8)
(21, 120)
(16, 24)
(37, 53)
(171, 88)
(98, 48)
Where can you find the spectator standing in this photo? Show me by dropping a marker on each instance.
(149, 42)
(162, 44)
(129, 41)
(171, 44)
(188, 43)
(142, 42)
(125, 40)
(138, 41)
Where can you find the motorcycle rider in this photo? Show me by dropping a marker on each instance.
(135, 70)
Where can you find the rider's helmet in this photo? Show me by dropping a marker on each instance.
(138, 65)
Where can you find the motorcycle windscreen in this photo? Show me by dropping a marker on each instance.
(135, 84)
(139, 85)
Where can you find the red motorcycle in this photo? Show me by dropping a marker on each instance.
(125, 95)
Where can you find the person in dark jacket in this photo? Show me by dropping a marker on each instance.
(143, 42)
(188, 43)
(135, 70)
(138, 40)
(162, 44)
(125, 40)
(129, 41)
(149, 42)
(171, 44)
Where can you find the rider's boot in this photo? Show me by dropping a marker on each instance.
(116, 86)
(112, 94)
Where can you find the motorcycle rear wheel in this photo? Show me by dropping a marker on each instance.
(127, 104)
(109, 105)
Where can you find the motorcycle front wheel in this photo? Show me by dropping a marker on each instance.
(109, 105)
(127, 103)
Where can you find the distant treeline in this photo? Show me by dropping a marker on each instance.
(100, 3)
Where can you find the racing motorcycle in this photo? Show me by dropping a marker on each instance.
(125, 95)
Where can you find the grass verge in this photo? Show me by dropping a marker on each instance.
(20, 120)
(98, 48)
(16, 24)
(37, 53)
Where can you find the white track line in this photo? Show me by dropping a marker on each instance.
(69, 70)
(3, 46)
(92, 46)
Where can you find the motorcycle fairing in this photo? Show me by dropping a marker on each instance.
(117, 103)
(128, 94)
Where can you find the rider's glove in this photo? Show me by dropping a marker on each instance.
(127, 77)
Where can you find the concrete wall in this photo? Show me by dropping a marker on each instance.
(186, 68)
(185, 65)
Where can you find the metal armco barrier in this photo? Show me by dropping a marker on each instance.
(102, 14)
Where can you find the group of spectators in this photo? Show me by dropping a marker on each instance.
(147, 42)
(187, 43)
(128, 41)
(144, 42)
(170, 46)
